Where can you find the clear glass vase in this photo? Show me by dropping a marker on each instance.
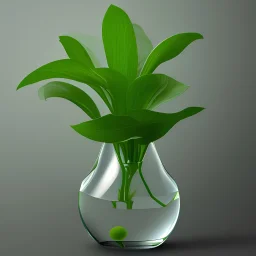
(128, 200)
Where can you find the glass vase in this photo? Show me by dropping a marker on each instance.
(128, 200)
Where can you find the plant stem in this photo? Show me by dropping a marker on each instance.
(147, 187)
(130, 155)
(120, 243)
(119, 158)
(114, 204)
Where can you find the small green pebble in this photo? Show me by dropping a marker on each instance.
(118, 233)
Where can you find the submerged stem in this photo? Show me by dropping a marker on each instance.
(114, 204)
(147, 187)
(120, 243)
(119, 158)
(129, 154)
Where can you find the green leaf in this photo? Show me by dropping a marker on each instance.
(144, 45)
(168, 49)
(109, 84)
(109, 128)
(66, 68)
(94, 47)
(149, 91)
(120, 42)
(69, 69)
(144, 125)
(155, 124)
(71, 93)
(116, 87)
(75, 50)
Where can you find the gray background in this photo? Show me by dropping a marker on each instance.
(211, 156)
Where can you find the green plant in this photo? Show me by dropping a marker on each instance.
(118, 233)
(127, 86)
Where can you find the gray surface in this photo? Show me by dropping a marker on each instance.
(211, 156)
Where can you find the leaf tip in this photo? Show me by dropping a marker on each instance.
(41, 94)
(200, 36)
(190, 111)
(21, 84)
(185, 86)
(114, 8)
(194, 36)
(62, 37)
(198, 109)
(75, 127)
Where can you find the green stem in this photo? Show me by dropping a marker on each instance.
(142, 152)
(114, 204)
(120, 243)
(129, 155)
(119, 158)
(135, 151)
(130, 145)
(147, 187)
(124, 150)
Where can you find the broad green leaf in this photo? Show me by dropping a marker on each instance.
(167, 50)
(94, 47)
(120, 42)
(144, 125)
(109, 84)
(156, 124)
(75, 50)
(71, 93)
(116, 86)
(148, 91)
(109, 128)
(68, 69)
(144, 45)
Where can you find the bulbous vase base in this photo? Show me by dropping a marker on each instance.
(129, 205)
